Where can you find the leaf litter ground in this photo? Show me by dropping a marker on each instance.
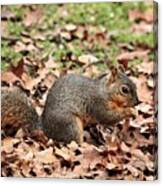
(38, 49)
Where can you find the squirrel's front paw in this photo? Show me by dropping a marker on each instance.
(131, 112)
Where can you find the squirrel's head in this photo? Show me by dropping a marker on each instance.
(120, 88)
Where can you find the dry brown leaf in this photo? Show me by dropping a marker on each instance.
(124, 147)
(132, 55)
(144, 94)
(65, 35)
(70, 27)
(62, 153)
(25, 168)
(91, 71)
(111, 166)
(45, 156)
(10, 78)
(7, 14)
(30, 83)
(145, 108)
(151, 82)
(133, 170)
(147, 67)
(142, 28)
(38, 169)
(87, 58)
(8, 144)
(51, 63)
(18, 70)
(138, 15)
(19, 47)
(73, 146)
(33, 17)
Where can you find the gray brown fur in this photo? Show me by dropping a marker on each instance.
(16, 111)
(78, 96)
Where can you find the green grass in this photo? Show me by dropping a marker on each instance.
(146, 39)
(111, 16)
(9, 55)
(15, 28)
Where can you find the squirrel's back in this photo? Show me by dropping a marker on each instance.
(72, 92)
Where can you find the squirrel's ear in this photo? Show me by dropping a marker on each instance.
(115, 71)
(114, 74)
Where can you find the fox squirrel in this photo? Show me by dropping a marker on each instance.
(72, 103)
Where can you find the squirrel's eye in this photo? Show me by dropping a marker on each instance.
(125, 89)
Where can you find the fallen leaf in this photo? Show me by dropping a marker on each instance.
(7, 14)
(151, 82)
(133, 170)
(65, 35)
(145, 108)
(70, 27)
(132, 55)
(10, 78)
(45, 156)
(144, 94)
(111, 166)
(18, 69)
(25, 168)
(138, 15)
(87, 58)
(33, 17)
(124, 147)
(62, 153)
(142, 28)
(8, 144)
(147, 67)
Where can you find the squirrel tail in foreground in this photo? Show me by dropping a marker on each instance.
(17, 111)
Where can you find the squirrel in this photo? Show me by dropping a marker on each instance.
(72, 103)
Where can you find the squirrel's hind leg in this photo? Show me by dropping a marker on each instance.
(79, 129)
(64, 127)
